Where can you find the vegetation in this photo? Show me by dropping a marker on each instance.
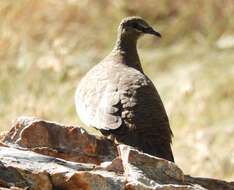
(47, 45)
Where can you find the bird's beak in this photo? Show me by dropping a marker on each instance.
(153, 32)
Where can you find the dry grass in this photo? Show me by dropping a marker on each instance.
(47, 45)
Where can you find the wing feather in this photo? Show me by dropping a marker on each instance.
(97, 105)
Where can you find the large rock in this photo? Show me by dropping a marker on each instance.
(41, 155)
(38, 172)
(70, 143)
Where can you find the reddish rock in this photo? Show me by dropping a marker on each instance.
(115, 165)
(69, 143)
(12, 188)
(89, 163)
(102, 180)
(27, 169)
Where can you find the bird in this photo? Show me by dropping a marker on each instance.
(117, 98)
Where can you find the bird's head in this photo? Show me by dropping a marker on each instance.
(136, 27)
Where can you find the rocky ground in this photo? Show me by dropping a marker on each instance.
(41, 155)
(48, 45)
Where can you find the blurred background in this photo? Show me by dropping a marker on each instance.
(46, 46)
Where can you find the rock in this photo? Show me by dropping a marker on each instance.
(38, 172)
(149, 172)
(69, 143)
(102, 180)
(12, 188)
(114, 165)
(140, 186)
(210, 183)
(3, 134)
(41, 155)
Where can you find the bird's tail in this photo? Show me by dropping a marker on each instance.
(149, 144)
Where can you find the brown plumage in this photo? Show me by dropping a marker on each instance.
(117, 98)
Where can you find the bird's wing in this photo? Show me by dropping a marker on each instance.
(142, 105)
(127, 97)
(97, 100)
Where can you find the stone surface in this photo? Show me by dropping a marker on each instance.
(86, 163)
(210, 183)
(39, 172)
(141, 186)
(69, 143)
(11, 188)
(149, 172)
(154, 170)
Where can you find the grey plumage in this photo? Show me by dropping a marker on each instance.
(117, 98)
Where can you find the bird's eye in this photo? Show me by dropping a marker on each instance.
(135, 25)
(138, 27)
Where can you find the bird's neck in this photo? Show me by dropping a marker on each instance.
(126, 49)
